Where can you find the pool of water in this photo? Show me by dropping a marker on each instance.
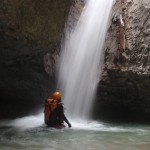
(84, 135)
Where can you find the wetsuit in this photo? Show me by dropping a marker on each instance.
(57, 117)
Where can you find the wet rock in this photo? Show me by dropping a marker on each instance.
(123, 92)
(30, 35)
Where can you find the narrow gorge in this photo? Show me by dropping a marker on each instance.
(30, 37)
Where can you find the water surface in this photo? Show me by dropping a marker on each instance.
(89, 135)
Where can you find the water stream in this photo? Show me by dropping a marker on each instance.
(81, 56)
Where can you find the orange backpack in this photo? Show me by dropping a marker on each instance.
(50, 105)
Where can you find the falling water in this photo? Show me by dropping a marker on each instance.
(81, 57)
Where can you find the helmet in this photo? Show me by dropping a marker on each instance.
(56, 96)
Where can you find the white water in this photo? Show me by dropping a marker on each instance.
(82, 53)
(36, 121)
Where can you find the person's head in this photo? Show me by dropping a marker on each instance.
(56, 96)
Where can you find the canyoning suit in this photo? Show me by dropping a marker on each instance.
(57, 117)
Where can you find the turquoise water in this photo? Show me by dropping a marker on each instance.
(87, 135)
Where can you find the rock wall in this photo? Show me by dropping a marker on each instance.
(123, 92)
(30, 35)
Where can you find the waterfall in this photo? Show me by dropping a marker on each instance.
(81, 57)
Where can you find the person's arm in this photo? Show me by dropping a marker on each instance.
(66, 120)
(64, 117)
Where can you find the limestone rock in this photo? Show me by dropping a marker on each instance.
(123, 92)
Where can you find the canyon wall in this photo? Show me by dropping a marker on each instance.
(123, 92)
(30, 35)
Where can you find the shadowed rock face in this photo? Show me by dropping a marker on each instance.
(123, 92)
(123, 96)
(28, 31)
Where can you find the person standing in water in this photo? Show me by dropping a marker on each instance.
(54, 112)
